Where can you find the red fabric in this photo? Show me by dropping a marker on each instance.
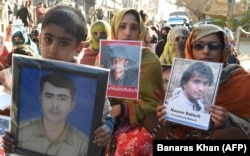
(233, 95)
(1, 148)
(40, 11)
(1, 152)
(135, 142)
(4, 56)
(88, 56)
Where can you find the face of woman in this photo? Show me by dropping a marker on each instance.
(208, 48)
(129, 28)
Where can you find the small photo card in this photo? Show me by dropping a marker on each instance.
(192, 88)
(123, 58)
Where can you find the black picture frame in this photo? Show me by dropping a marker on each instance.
(91, 85)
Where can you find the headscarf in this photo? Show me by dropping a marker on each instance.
(202, 31)
(116, 20)
(27, 40)
(99, 25)
(167, 29)
(177, 31)
(21, 35)
(170, 52)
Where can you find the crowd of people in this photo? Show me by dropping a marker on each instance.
(124, 130)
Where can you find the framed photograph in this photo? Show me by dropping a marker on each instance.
(123, 58)
(192, 88)
(56, 106)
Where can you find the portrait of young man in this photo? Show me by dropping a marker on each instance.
(191, 91)
(195, 82)
(123, 59)
(54, 119)
(120, 73)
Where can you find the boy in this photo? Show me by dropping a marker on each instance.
(63, 30)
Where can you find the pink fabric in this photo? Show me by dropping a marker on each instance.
(40, 11)
(4, 56)
(87, 56)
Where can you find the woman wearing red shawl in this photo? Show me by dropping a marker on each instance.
(100, 29)
(130, 137)
(231, 114)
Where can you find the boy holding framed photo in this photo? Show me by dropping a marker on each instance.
(58, 41)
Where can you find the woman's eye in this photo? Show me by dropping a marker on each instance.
(122, 26)
(134, 28)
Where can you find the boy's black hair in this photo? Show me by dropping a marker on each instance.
(70, 18)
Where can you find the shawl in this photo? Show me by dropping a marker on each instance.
(232, 95)
(169, 52)
(234, 83)
(98, 25)
(151, 92)
(87, 56)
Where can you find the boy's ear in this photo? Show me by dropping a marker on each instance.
(79, 47)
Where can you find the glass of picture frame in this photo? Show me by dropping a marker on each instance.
(27, 107)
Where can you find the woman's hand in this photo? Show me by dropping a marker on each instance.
(219, 116)
(160, 113)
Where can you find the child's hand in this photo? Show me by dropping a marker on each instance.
(8, 143)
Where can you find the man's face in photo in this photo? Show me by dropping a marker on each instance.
(196, 87)
(119, 64)
(56, 103)
(165, 77)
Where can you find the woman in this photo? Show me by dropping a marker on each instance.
(130, 137)
(99, 30)
(160, 45)
(19, 38)
(148, 35)
(6, 74)
(230, 114)
(175, 45)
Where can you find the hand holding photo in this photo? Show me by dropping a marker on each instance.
(191, 90)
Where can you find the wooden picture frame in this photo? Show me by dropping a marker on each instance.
(86, 116)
